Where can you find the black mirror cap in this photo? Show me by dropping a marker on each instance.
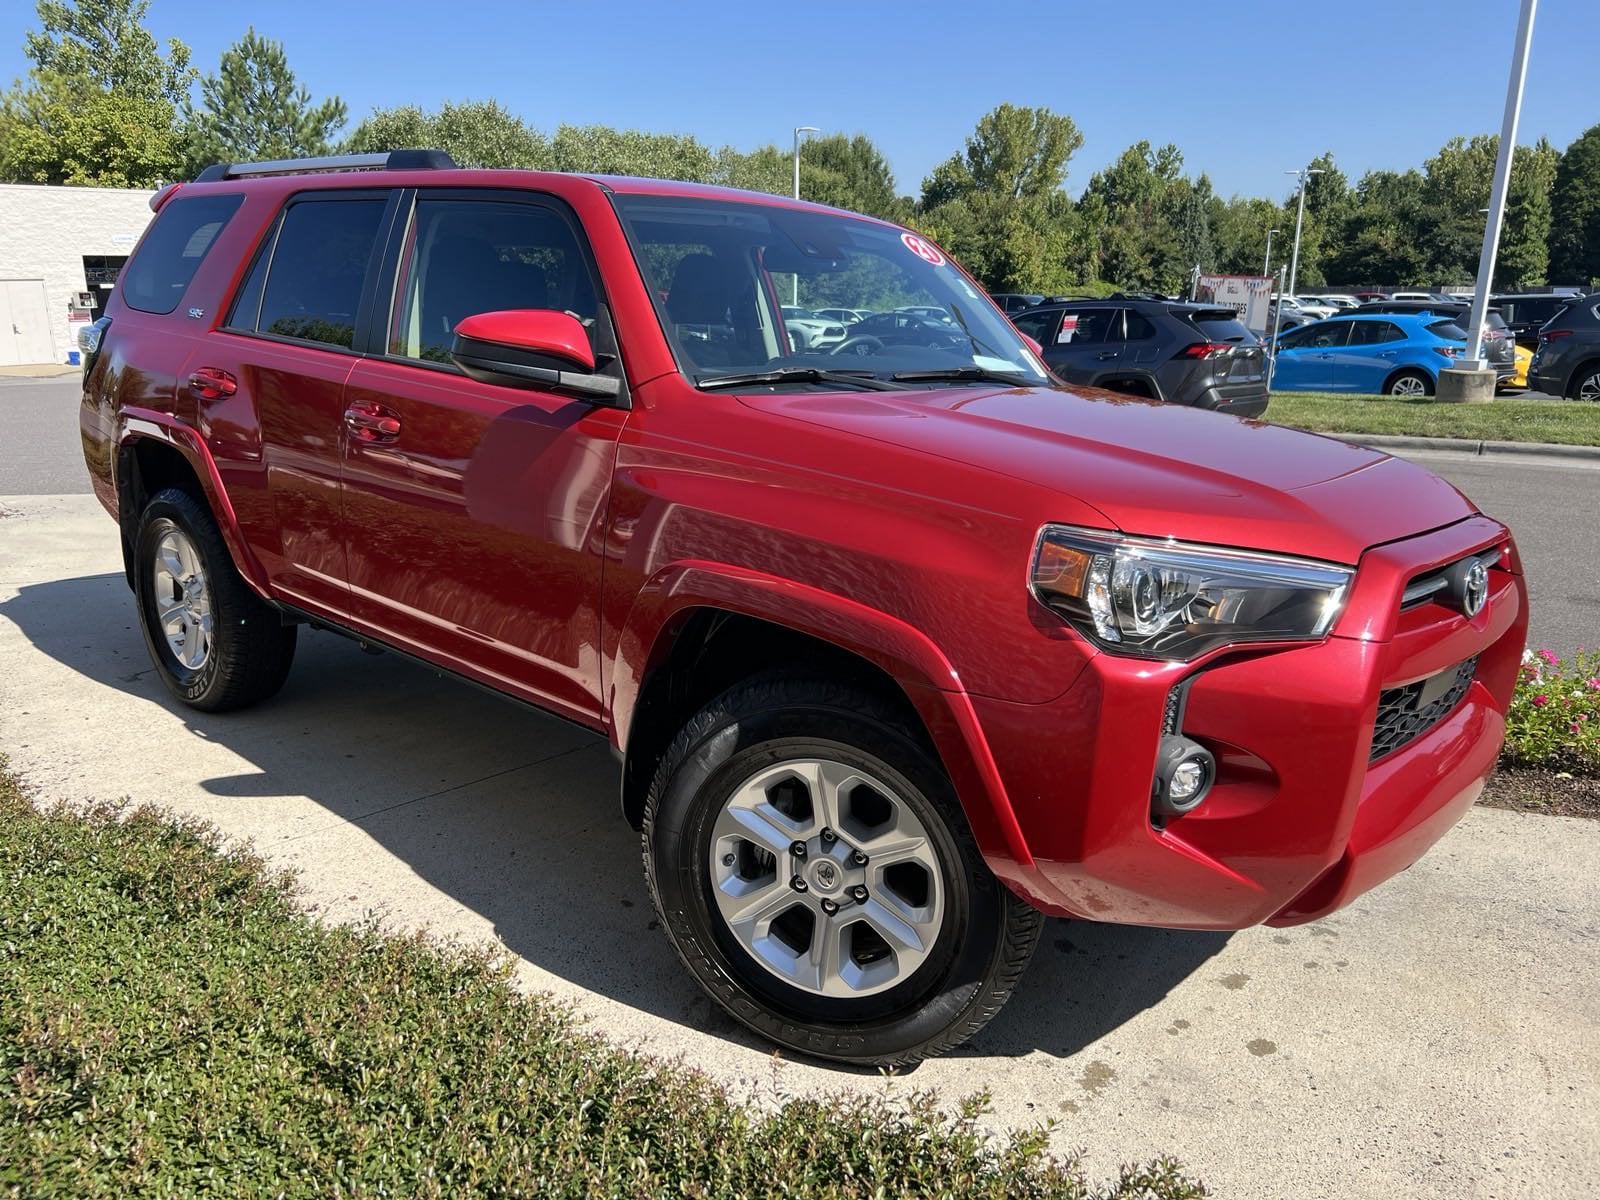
(512, 366)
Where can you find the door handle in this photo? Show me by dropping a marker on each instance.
(369, 422)
(212, 383)
(1105, 354)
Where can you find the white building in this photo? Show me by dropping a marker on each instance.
(60, 251)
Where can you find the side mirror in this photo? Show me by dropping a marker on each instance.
(531, 347)
(1033, 344)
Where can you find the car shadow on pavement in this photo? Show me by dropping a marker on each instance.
(507, 811)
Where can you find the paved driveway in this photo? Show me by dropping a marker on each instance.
(1440, 1038)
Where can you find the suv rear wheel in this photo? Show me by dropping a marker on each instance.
(813, 869)
(1586, 384)
(215, 643)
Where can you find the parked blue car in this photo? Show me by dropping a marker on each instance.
(1397, 354)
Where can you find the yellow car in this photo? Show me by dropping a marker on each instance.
(1517, 381)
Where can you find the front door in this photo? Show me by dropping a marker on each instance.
(473, 510)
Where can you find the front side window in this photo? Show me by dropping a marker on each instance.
(465, 257)
(185, 230)
(1041, 326)
(315, 272)
(722, 272)
(1089, 327)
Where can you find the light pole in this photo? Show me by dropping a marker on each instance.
(1266, 264)
(1294, 262)
(798, 130)
(1502, 179)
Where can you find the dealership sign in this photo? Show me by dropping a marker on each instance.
(1248, 295)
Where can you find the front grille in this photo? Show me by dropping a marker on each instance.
(1435, 585)
(1406, 713)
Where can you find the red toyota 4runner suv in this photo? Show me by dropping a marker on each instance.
(902, 642)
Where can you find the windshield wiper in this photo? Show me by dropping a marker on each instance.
(796, 375)
(978, 374)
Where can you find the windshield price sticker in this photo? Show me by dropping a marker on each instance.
(926, 251)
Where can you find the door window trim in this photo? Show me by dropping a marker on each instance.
(268, 248)
(386, 299)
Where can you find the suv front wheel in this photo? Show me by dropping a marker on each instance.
(813, 869)
(215, 643)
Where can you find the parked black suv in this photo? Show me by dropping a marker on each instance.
(1015, 302)
(1499, 347)
(1192, 354)
(1525, 313)
(1567, 361)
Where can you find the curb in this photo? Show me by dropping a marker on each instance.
(1581, 454)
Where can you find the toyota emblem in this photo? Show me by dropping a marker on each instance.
(1474, 588)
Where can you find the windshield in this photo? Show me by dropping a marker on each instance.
(738, 285)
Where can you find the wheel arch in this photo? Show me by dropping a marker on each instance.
(1575, 376)
(155, 452)
(1409, 369)
(700, 628)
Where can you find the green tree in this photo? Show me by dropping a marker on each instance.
(477, 133)
(1380, 241)
(1239, 234)
(99, 103)
(600, 149)
(105, 42)
(850, 173)
(1575, 212)
(254, 109)
(1014, 152)
(1524, 256)
(1131, 205)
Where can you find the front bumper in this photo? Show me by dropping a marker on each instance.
(1299, 821)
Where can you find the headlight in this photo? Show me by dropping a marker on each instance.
(1172, 600)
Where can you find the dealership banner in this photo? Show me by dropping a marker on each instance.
(1248, 295)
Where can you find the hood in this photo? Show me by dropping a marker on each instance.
(1156, 469)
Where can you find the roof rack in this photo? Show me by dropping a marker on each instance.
(383, 160)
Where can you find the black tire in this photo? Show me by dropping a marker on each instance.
(1392, 386)
(1585, 379)
(986, 936)
(250, 649)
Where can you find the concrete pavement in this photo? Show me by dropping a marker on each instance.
(1439, 1038)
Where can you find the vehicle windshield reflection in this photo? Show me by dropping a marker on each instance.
(747, 288)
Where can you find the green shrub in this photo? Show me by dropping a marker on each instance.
(1554, 718)
(171, 1024)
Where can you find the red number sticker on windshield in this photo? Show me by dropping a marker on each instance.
(926, 251)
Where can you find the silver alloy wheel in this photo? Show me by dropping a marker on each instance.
(1589, 388)
(182, 598)
(827, 878)
(1408, 385)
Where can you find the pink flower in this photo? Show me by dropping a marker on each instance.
(1574, 727)
(1551, 657)
(1595, 683)
(1541, 700)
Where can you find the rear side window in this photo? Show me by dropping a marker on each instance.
(1374, 333)
(1138, 328)
(315, 272)
(184, 230)
(1041, 327)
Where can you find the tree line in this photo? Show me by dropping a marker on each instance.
(105, 105)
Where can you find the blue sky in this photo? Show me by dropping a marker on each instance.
(1245, 89)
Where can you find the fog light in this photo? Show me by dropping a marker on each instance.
(1185, 771)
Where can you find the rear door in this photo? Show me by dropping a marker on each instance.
(1087, 343)
(284, 353)
(474, 510)
(1368, 356)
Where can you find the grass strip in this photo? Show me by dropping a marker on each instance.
(171, 1023)
(1566, 423)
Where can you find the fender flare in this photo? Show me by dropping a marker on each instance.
(928, 679)
(142, 424)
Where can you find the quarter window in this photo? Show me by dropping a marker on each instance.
(316, 272)
(475, 256)
(185, 230)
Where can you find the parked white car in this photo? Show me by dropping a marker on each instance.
(1339, 301)
(1307, 306)
(809, 330)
